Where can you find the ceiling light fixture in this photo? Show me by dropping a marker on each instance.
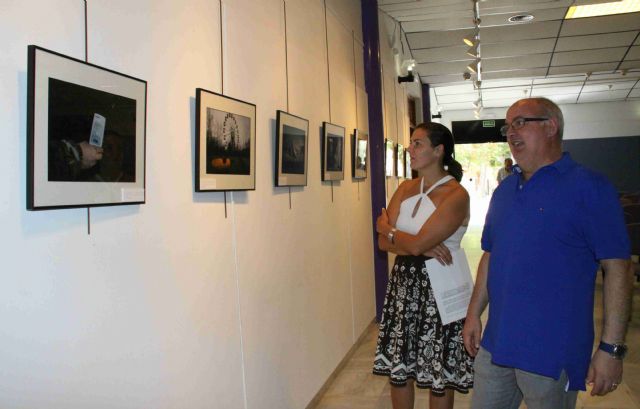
(520, 18)
(473, 50)
(602, 9)
(472, 39)
(474, 67)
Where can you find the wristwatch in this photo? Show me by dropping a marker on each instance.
(391, 234)
(617, 351)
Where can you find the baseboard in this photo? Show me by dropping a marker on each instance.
(318, 396)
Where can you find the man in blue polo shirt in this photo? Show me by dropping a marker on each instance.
(548, 227)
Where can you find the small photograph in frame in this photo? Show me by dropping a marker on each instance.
(389, 158)
(86, 130)
(359, 149)
(407, 163)
(332, 152)
(225, 143)
(400, 161)
(292, 147)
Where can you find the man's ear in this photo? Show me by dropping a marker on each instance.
(552, 127)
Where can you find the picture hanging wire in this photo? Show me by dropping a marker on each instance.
(222, 79)
(355, 89)
(86, 59)
(286, 68)
(326, 40)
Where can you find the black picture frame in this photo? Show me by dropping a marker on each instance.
(359, 154)
(292, 150)
(225, 143)
(86, 134)
(332, 150)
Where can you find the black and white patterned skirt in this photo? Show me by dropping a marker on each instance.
(413, 343)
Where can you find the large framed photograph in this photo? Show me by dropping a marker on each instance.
(359, 149)
(85, 134)
(400, 161)
(389, 158)
(225, 143)
(332, 152)
(292, 147)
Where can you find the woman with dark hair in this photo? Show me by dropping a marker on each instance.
(426, 218)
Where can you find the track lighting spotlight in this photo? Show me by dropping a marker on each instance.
(472, 39)
(473, 67)
(473, 50)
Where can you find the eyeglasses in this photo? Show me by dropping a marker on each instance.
(519, 123)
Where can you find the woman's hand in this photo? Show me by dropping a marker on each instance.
(382, 224)
(440, 253)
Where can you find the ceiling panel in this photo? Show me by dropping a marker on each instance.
(588, 56)
(628, 65)
(430, 39)
(544, 29)
(634, 53)
(529, 72)
(542, 90)
(603, 96)
(607, 86)
(427, 55)
(511, 63)
(635, 93)
(454, 89)
(538, 15)
(428, 22)
(513, 48)
(605, 24)
(595, 41)
(489, 84)
(570, 69)
(461, 97)
(559, 79)
(442, 68)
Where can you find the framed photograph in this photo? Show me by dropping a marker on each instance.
(389, 158)
(332, 152)
(400, 160)
(85, 134)
(359, 149)
(292, 147)
(407, 163)
(225, 143)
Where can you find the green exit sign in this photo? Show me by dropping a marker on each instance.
(489, 124)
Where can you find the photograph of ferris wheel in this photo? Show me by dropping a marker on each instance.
(228, 143)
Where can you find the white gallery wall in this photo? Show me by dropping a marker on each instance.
(394, 94)
(171, 304)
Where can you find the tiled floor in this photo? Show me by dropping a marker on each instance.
(355, 387)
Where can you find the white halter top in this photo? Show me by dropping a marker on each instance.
(412, 224)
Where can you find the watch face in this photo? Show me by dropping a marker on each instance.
(619, 350)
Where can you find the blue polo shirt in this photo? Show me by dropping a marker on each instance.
(546, 237)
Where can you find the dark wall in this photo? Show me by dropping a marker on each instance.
(618, 158)
(479, 131)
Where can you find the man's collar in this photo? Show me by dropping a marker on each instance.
(562, 165)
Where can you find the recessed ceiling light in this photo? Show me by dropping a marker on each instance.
(603, 9)
(520, 18)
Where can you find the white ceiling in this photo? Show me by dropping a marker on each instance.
(569, 61)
